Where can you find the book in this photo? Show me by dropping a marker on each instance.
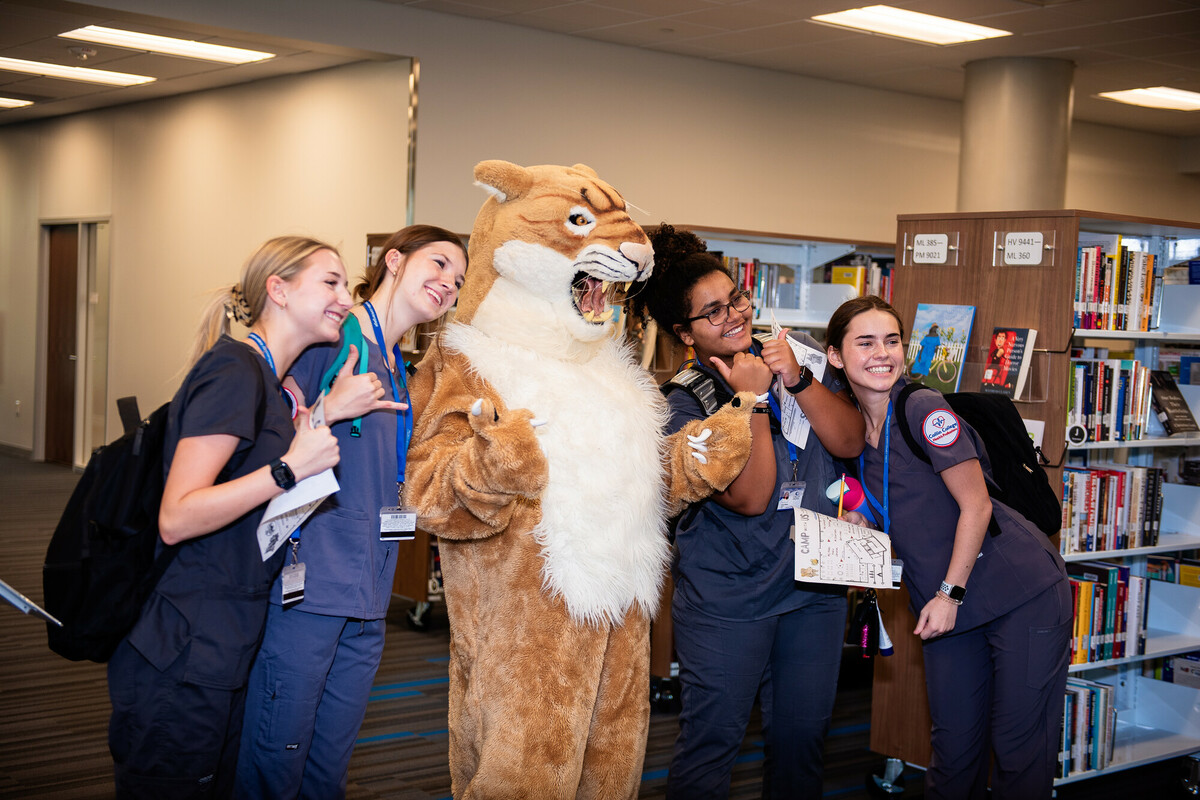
(1009, 355)
(938, 347)
(1170, 406)
(853, 275)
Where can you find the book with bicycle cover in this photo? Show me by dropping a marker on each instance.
(831, 550)
(937, 348)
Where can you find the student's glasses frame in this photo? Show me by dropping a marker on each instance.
(718, 314)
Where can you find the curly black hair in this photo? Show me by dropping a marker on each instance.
(680, 260)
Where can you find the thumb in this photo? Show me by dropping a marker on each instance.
(722, 368)
(783, 332)
(302, 416)
(351, 360)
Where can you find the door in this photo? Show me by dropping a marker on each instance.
(61, 332)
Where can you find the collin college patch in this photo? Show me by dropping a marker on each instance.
(940, 428)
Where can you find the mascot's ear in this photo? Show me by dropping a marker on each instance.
(502, 179)
(586, 170)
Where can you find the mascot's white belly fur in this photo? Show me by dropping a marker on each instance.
(603, 513)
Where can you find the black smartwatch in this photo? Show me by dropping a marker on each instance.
(955, 593)
(805, 380)
(282, 473)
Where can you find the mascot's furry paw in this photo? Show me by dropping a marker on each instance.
(706, 455)
(508, 459)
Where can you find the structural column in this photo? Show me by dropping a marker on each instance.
(1015, 135)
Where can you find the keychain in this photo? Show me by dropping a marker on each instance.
(293, 578)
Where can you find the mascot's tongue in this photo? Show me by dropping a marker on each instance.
(593, 297)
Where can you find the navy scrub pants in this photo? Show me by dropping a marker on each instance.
(999, 688)
(794, 658)
(306, 700)
(168, 738)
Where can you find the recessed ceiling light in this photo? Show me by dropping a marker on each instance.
(1157, 97)
(166, 44)
(12, 102)
(72, 73)
(910, 25)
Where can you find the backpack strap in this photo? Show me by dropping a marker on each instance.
(901, 412)
(351, 335)
(698, 385)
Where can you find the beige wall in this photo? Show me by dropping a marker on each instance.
(191, 185)
(685, 140)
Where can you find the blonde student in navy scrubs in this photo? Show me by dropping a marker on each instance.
(993, 607)
(310, 684)
(178, 680)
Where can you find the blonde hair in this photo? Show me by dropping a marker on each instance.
(285, 256)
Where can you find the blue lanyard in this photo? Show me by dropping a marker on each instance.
(793, 455)
(266, 351)
(862, 474)
(401, 442)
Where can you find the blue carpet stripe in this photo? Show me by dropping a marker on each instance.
(409, 684)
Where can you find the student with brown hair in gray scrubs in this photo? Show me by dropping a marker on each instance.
(993, 609)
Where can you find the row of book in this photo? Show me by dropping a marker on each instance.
(1115, 286)
(1110, 507)
(1110, 611)
(1108, 399)
(779, 285)
(1089, 727)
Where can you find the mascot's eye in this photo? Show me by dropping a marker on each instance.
(580, 221)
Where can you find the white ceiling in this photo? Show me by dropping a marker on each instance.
(29, 30)
(1115, 44)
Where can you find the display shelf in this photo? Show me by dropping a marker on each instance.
(1158, 721)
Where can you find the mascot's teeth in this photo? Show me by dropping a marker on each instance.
(625, 286)
(604, 286)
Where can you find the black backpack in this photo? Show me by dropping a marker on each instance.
(1018, 480)
(101, 563)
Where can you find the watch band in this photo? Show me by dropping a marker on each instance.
(284, 477)
(954, 594)
(803, 382)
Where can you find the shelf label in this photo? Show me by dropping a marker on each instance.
(1023, 249)
(930, 248)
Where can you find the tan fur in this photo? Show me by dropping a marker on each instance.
(549, 686)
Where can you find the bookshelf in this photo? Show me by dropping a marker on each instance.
(959, 258)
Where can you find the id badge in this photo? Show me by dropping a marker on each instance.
(790, 495)
(897, 572)
(397, 523)
(293, 584)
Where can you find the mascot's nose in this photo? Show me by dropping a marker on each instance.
(640, 254)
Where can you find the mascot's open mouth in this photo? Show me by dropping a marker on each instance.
(595, 298)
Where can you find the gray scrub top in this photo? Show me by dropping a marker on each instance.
(1013, 566)
(737, 567)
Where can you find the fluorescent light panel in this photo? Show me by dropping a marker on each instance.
(1157, 97)
(12, 102)
(166, 45)
(72, 73)
(910, 25)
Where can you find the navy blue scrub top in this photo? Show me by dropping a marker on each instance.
(213, 596)
(1012, 567)
(736, 567)
(348, 570)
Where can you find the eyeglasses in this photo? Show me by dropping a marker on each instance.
(718, 315)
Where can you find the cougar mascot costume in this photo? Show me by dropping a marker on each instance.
(540, 463)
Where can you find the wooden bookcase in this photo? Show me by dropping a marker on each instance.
(1156, 720)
